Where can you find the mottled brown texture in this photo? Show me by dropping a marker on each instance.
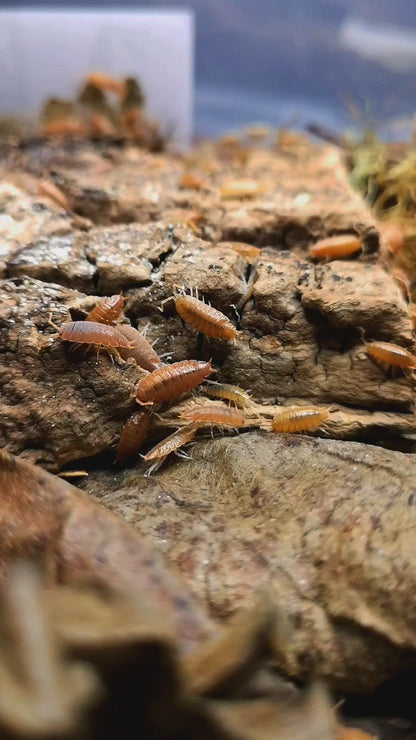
(327, 527)
(55, 404)
(44, 518)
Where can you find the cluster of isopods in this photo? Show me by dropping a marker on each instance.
(166, 383)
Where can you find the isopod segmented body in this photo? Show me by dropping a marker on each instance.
(191, 182)
(241, 189)
(335, 247)
(247, 251)
(104, 82)
(392, 354)
(172, 443)
(108, 310)
(228, 392)
(204, 318)
(215, 415)
(90, 332)
(133, 435)
(299, 419)
(141, 351)
(172, 381)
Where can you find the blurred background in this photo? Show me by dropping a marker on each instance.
(336, 62)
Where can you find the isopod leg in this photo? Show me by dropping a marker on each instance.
(144, 403)
(52, 323)
(156, 465)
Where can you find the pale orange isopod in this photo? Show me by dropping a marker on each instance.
(48, 189)
(393, 236)
(172, 443)
(241, 189)
(133, 435)
(141, 351)
(191, 182)
(108, 310)
(392, 354)
(335, 247)
(172, 381)
(105, 82)
(215, 415)
(231, 393)
(246, 251)
(204, 318)
(299, 419)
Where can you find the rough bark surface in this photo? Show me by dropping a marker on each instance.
(325, 525)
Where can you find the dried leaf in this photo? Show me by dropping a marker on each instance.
(307, 717)
(42, 516)
(43, 694)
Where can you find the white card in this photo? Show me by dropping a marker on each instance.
(47, 53)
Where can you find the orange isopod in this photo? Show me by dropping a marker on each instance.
(63, 127)
(48, 189)
(335, 247)
(299, 419)
(172, 443)
(142, 352)
(204, 318)
(89, 332)
(133, 435)
(100, 125)
(108, 310)
(105, 82)
(215, 415)
(393, 236)
(246, 251)
(402, 280)
(353, 733)
(258, 133)
(241, 189)
(392, 354)
(231, 393)
(172, 381)
(191, 182)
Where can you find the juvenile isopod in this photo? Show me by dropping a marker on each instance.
(403, 282)
(335, 247)
(204, 318)
(172, 443)
(215, 415)
(105, 82)
(246, 251)
(108, 310)
(393, 236)
(159, 452)
(89, 332)
(141, 351)
(228, 392)
(191, 182)
(391, 354)
(172, 381)
(133, 435)
(191, 219)
(48, 189)
(258, 133)
(299, 419)
(241, 189)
